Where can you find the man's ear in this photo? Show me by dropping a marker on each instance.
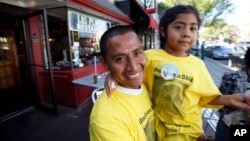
(162, 32)
(104, 63)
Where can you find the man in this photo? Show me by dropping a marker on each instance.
(127, 115)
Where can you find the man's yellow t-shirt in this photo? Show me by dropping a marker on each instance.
(127, 115)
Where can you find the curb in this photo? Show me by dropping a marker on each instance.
(222, 65)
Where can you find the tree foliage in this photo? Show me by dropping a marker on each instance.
(228, 31)
(212, 13)
(210, 10)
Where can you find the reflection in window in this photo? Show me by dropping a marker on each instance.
(4, 48)
(86, 32)
(58, 38)
(81, 45)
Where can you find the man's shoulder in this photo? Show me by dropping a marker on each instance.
(103, 107)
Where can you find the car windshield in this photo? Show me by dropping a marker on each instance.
(243, 43)
(239, 49)
(248, 44)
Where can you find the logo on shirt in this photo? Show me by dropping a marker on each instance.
(169, 71)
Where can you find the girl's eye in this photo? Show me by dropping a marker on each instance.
(193, 28)
(178, 27)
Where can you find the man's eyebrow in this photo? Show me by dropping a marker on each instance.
(140, 47)
(116, 55)
(122, 54)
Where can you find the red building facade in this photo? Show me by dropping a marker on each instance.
(44, 47)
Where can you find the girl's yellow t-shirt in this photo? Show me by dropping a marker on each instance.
(179, 87)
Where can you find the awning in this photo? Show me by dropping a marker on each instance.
(153, 23)
(141, 15)
(104, 9)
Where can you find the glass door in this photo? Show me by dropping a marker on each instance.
(39, 60)
(14, 95)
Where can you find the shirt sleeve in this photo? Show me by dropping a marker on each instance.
(207, 89)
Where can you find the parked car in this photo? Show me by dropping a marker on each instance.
(236, 59)
(218, 51)
(194, 50)
(244, 44)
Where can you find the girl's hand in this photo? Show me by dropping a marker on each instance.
(240, 100)
(202, 138)
(237, 100)
(109, 84)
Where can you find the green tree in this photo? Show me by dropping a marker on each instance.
(212, 13)
(162, 6)
(213, 31)
(210, 10)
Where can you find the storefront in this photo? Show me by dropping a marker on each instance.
(51, 44)
(146, 26)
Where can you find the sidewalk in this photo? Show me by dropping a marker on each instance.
(216, 69)
(37, 125)
(70, 124)
(210, 116)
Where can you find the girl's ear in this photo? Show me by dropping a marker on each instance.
(162, 32)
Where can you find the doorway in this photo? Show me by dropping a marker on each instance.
(15, 94)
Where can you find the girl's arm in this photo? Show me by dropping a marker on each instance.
(238, 100)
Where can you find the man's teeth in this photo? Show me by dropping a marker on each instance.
(133, 76)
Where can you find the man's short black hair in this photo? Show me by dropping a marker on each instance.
(111, 32)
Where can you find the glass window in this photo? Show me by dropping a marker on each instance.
(85, 33)
(58, 38)
(74, 38)
(5, 53)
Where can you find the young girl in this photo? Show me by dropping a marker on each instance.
(179, 83)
